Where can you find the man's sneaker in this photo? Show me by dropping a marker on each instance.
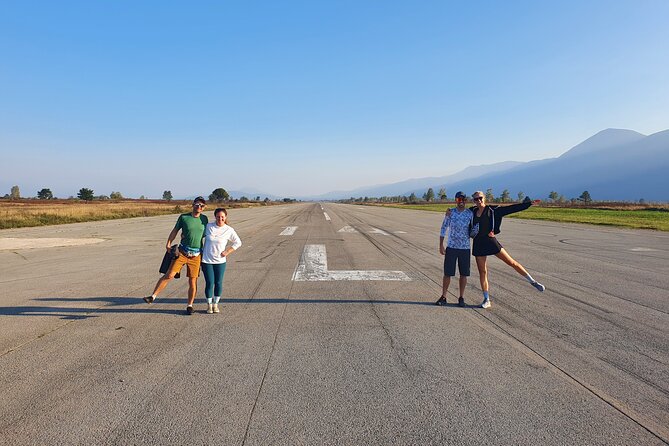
(216, 310)
(485, 303)
(148, 299)
(538, 286)
(210, 309)
(189, 310)
(461, 301)
(442, 301)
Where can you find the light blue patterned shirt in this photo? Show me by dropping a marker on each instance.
(457, 224)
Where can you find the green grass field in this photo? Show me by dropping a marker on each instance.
(652, 218)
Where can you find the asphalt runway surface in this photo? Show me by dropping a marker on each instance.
(328, 335)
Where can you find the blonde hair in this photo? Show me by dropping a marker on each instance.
(478, 192)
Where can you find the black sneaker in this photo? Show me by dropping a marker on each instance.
(461, 301)
(442, 301)
(148, 299)
(189, 310)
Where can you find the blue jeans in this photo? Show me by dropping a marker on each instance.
(213, 276)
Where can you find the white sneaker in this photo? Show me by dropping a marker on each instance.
(210, 309)
(485, 303)
(216, 310)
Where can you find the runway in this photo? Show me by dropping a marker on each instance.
(328, 335)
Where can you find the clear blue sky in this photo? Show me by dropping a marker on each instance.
(305, 97)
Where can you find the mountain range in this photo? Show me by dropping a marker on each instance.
(612, 165)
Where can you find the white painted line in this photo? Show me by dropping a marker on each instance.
(313, 267)
(327, 217)
(290, 230)
(643, 249)
(33, 243)
(378, 231)
(347, 229)
(399, 232)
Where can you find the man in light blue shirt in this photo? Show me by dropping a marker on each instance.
(458, 224)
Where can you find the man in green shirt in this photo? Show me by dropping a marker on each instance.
(192, 227)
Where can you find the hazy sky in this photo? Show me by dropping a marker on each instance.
(305, 97)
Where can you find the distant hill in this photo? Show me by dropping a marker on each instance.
(421, 184)
(614, 164)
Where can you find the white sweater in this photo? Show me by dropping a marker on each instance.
(215, 240)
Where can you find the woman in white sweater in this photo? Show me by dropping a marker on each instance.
(214, 254)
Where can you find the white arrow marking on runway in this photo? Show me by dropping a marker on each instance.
(347, 229)
(327, 217)
(290, 230)
(378, 231)
(313, 266)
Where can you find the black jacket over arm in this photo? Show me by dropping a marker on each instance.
(497, 212)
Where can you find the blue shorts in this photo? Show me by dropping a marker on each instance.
(462, 256)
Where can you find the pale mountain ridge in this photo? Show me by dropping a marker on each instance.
(604, 140)
(614, 164)
(400, 188)
(629, 168)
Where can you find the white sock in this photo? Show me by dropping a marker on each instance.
(530, 278)
(209, 300)
(217, 299)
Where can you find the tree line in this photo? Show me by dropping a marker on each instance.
(505, 197)
(218, 195)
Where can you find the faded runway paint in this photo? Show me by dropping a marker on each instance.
(290, 230)
(313, 266)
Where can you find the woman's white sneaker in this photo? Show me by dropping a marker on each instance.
(210, 309)
(485, 303)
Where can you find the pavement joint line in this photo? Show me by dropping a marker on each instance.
(629, 413)
(605, 294)
(269, 357)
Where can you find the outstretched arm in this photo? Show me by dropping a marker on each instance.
(501, 211)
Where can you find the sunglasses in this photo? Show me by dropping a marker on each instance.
(198, 205)
(460, 199)
(478, 198)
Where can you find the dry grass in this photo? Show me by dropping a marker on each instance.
(24, 213)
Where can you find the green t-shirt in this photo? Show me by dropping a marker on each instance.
(192, 229)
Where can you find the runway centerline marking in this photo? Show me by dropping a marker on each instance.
(290, 230)
(327, 217)
(313, 267)
(348, 229)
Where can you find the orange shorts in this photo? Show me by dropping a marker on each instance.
(193, 264)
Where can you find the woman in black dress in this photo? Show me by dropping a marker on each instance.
(487, 221)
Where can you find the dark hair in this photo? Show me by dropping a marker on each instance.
(220, 210)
